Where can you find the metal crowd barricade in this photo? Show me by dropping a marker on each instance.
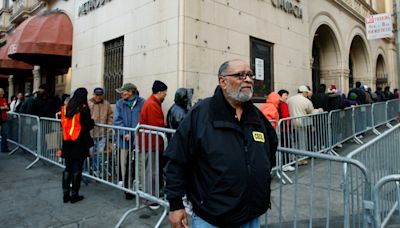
(29, 132)
(104, 162)
(386, 199)
(307, 133)
(381, 154)
(362, 121)
(50, 141)
(379, 116)
(381, 157)
(13, 125)
(393, 111)
(340, 128)
(323, 194)
(150, 142)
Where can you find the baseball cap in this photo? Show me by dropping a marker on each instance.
(303, 88)
(98, 91)
(127, 87)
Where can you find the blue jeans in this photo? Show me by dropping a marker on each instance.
(4, 136)
(96, 160)
(198, 222)
(99, 145)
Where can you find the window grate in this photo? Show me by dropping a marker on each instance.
(113, 68)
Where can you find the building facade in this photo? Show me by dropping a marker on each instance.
(182, 42)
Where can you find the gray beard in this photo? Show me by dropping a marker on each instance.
(239, 96)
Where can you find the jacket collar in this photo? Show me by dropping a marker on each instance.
(154, 98)
(94, 102)
(222, 114)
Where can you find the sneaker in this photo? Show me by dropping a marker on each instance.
(120, 183)
(339, 145)
(154, 206)
(288, 168)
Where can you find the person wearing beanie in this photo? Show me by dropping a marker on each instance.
(45, 103)
(153, 115)
(159, 86)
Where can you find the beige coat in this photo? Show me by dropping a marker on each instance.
(101, 113)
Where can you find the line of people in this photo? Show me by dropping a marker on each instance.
(229, 116)
(130, 111)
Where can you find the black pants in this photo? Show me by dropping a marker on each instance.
(74, 165)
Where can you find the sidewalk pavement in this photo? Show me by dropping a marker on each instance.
(33, 198)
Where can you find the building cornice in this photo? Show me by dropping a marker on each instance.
(357, 8)
(23, 11)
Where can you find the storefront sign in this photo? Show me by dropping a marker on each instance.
(91, 5)
(289, 7)
(379, 26)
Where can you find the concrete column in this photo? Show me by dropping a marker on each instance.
(36, 78)
(337, 77)
(10, 86)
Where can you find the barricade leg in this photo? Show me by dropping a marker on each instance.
(128, 212)
(13, 150)
(333, 152)
(163, 216)
(357, 140)
(34, 162)
(376, 131)
(398, 196)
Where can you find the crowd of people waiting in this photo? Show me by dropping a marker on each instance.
(132, 109)
(129, 111)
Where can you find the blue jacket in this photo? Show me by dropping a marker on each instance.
(127, 117)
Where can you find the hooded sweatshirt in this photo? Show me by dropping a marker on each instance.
(270, 108)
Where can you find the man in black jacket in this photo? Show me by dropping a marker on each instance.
(221, 156)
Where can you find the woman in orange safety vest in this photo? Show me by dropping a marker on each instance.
(76, 125)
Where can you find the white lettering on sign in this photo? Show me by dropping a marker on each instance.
(91, 5)
(12, 49)
(289, 7)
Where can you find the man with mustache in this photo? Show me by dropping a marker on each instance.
(221, 156)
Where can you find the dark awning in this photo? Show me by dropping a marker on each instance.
(10, 66)
(44, 39)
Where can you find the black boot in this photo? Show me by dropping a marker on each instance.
(66, 180)
(76, 184)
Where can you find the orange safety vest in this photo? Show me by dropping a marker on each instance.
(71, 126)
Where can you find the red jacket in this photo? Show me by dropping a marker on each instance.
(283, 110)
(153, 115)
(284, 113)
(3, 102)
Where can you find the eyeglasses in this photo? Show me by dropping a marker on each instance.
(242, 75)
